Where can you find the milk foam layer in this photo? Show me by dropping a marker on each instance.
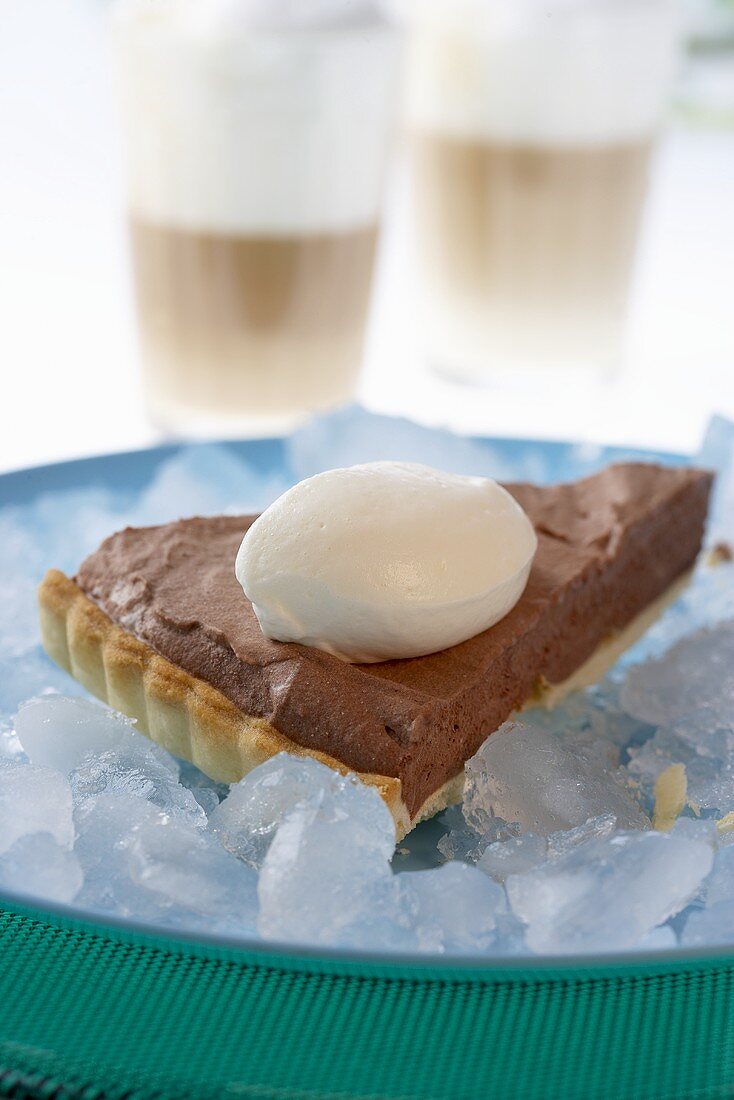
(256, 116)
(536, 72)
(221, 18)
(386, 560)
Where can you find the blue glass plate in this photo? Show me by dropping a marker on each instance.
(274, 460)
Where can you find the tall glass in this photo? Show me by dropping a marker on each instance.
(532, 125)
(255, 151)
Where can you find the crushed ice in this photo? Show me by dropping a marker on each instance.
(604, 825)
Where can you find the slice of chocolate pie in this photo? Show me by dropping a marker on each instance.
(156, 624)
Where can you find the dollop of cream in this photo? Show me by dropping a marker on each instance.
(386, 560)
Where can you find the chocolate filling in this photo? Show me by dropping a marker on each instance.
(608, 546)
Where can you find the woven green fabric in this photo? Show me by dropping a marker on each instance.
(88, 1011)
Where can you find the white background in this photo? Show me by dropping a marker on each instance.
(68, 360)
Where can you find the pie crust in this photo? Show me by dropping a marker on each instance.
(196, 722)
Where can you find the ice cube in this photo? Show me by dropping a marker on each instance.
(36, 865)
(318, 885)
(709, 773)
(18, 614)
(524, 773)
(67, 525)
(717, 453)
(352, 435)
(105, 827)
(248, 818)
(461, 841)
(102, 752)
(513, 856)
(719, 886)
(707, 600)
(694, 679)
(610, 725)
(458, 840)
(660, 939)
(608, 894)
(452, 908)
(135, 772)
(594, 719)
(326, 877)
(19, 550)
(34, 800)
(39, 534)
(27, 675)
(561, 842)
(696, 828)
(522, 853)
(190, 869)
(208, 792)
(509, 938)
(714, 925)
(20, 564)
(60, 731)
(11, 750)
(208, 479)
(207, 798)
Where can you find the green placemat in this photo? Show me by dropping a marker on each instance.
(92, 1011)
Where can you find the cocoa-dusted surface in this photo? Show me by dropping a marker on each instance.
(607, 547)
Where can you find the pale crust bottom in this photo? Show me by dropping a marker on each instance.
(196, 722)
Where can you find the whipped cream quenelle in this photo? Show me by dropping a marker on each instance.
(386, 560)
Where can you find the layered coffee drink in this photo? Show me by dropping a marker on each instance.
(532, 128)
(241, 327)
(256, 145)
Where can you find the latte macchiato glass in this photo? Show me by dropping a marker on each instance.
(532, 125)
(256, 134)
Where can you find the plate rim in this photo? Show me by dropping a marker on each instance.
(168, 448)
